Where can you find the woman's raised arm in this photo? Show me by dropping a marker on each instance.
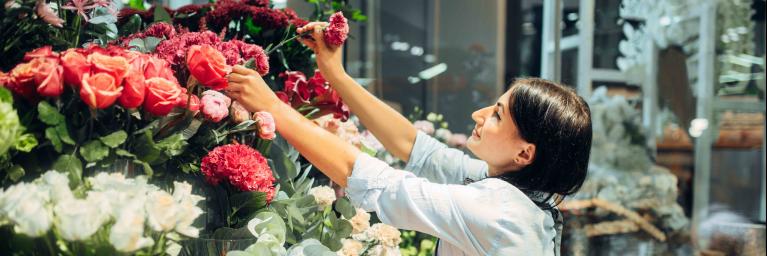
(394, 131)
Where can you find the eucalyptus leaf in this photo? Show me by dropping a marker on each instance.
(145, 148)
(268, 223)
(133, 25)
(161, 15)
(172, 145)
(103, 19)
(345, 207)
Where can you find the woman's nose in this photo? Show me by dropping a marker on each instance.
(479, 115)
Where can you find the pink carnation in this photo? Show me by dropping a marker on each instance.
(242, 166)
(254, 51)
(266, 126)
(231, 52)
(336, 32)
(215, 105)
(174, 49)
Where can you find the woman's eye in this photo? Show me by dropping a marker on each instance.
(496, 115)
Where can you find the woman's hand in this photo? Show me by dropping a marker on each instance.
(248, 88)
(328, 57)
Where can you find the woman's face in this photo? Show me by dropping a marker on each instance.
(496, 139)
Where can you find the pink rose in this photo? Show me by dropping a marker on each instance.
(99, 91)
(239, 113)
(215, 105)
(266, 126)
(75, 67)
(162, 96)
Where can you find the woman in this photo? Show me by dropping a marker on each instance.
(533, 146)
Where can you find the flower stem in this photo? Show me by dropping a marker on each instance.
(272, 49)
(50, 246)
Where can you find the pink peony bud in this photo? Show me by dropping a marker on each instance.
(266, 126)
(215, 105)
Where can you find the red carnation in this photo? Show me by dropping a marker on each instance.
(336, 32)
(268, 18)
(242, 166)
(160, 30)
(254, 51)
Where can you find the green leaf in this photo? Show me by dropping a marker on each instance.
(94, 151)
(161, 15)
(63, 133)
(249, 201)
(103, 19)
(133, 25)
(146, 150)
(5, 95)
(70, 165)
(15, 173)
(124, 153)
(25, 143)
(150, 43)
(136, 4)
(190, 168)
(147, 168)
(114, 139)
(53, 136)
(49, 114)
(268, 223)
(343, 228)
(358, 16)
(345, 207)
(172, 145)
(252, 28)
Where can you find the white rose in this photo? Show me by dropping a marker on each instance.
(58, 184)
(350, 248)
(188, 210)
(126, 234)
(26, 206)
(380, 250)
(161, 211)
(323, 195)
(78, 219)
(360, 222)
(425, 126)
(443, 134)
(385, 234)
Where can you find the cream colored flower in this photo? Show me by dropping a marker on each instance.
(127, 233)
(58, 184)
(188, 210)
(385, 234)
(360, 222)
(78, 219)
(350, 248)
(380, 250)
(25, 205)
(443, 134)
(323, 195)
(161, 211)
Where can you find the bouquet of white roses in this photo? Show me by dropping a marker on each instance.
(108, 214)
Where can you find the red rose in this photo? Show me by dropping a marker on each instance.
(208, 66)
(48, 77)
(75, 66)
(116, 66)
(133, 90)
(42, 52)
(21, 81)
(161, 96)
(99, 91)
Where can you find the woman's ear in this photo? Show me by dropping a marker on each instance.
(526, 156)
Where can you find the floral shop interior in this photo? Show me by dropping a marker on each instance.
(133, 127)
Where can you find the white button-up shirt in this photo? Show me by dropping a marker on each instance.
(487, 217)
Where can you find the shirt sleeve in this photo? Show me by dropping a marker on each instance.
(403, 200)
(439, 163)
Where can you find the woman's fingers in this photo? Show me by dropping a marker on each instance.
(309, 43)
(234, 87)
(310, 26)
(239, 69)
(235, 77)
